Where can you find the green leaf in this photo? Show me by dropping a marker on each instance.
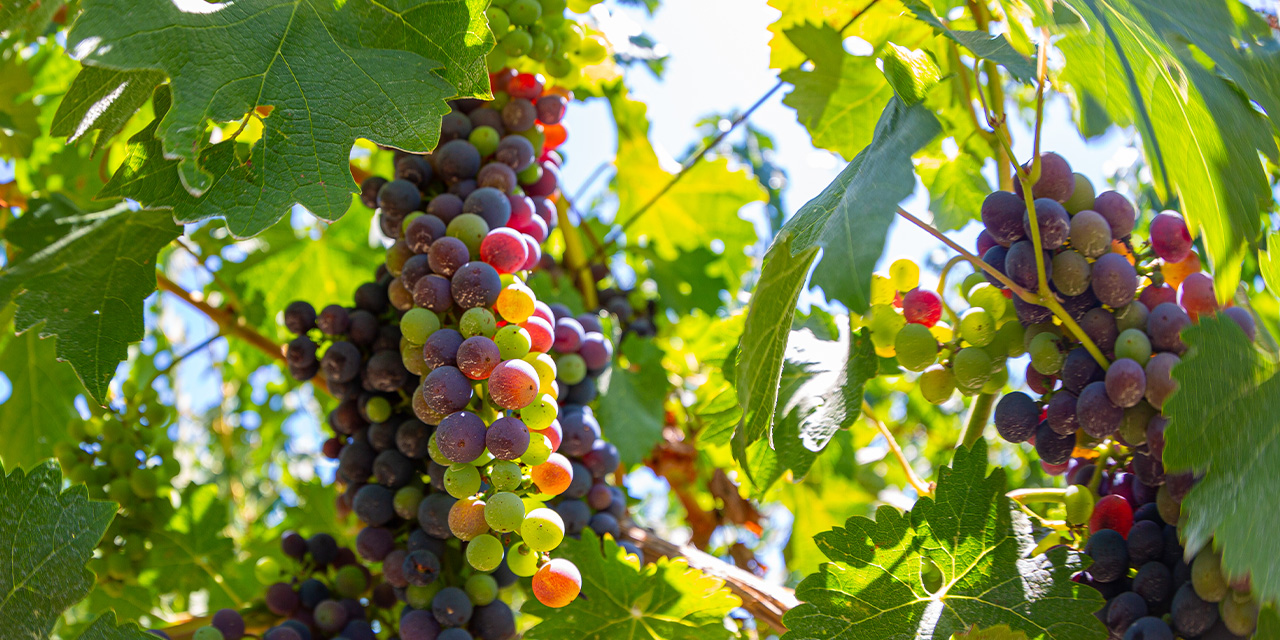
(331, 72)
(18, 113)
(28, 16)
(48, 535)
(995, 48)
(103, 100)
(631, 398)
(848, 221)
(191, 553)
(977, 539)
(911, 73)
(692, 282)
(956, 189)
(86, 284)
(1201, 135)
(999, 632)
(1222, 422)
(40, 406)
(875, 20)
(663, 600)
(837, 100)
(702, 207)
(106, 628)
(1269, 264)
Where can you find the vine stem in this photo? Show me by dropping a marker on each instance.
(1098, 467)
(577, 258)
(942, 287)
(1049, 494)
(975, 260)
(922, 488)
(979, 413)
(231, 324)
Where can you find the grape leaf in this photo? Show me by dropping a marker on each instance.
(87, 284)
(331, 72)
(663, 600)
(912, 73)
(191, 553)
(702, 207)
(692, 282)
(103, 100)
(1201, 135)
(41, 402)
(1269, 264)
(106, 628)
(870, 20)
(995, 48)
(998, 632)
(956, 189)
(631, 398)
(978, 540)
(848, 221)
(1222, 422)
(28, 16)
(18, 113)
(48, 535)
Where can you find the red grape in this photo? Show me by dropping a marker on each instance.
(504, 250)
(1196, 296)
(1112, 512)
(922, 306)
(1170, 238)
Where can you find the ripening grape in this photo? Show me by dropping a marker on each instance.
(1002, 214)
(1118, 212)
(1175, 272)
(557, 583)
(1046, 355)
(916, 347)
(1056, 180)
(553, 476)
(1053, 221)
(1196, 296)
(1170, 238)
(1164, 327)
(1097, 414)
(466, 518)
(1082, 195)
(1115, 281)
(1090, 234)
(972, 368)
(1071, 273)
(922, 306)
(513, 384)
(937, 383)
(539, 450)
(542, 529)
(1126, 382)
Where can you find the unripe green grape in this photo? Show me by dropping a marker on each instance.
(542, 47)
(143, 483)
(470, 229)
(485, 139)
(1036, 329)
(572, 368)
(1009, 340)
(916, 347)
(433, 452)
(533, 172)
(1082, 198)
(122, 458)
(498, 20)
(1169, 508)
(461, 480)
(1132, 316)
(539, 450)
(971, 282)
(559, 66)
(552, 7)
(582, 6)
(267, 571)
(417, 324)
(540, 414)
(882, 291)
(972, 367)
(1206, 576)
(505, 475)
(989, 298)
(1079, 503)
(1239, 614)
(481, 588)
(118, 490)
(542, 529)
(207, 633)
(937, 384)
(978, 327)
(999, 376)
(524, 12)
(516, 43)
(522, 560)
(502, 4)
(421, 597)
(504, 512)
(1046, 357)
(1133, 344)
(1071, 273)
(513, 342)
(378, 409)
(593, 50)
(477, 321)
(571, 35)
(885, 323)
(350, 582)
(1133, 427)
(484, 552)
(904, 274)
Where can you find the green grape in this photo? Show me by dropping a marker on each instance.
(1132, 316)
(470, 229)
(999, 376)
(1036, 329)
(916, 347)
(522, 560)
(1009, 339)
(524, 12)
(118, 490)
(904, 274)
(593, 50)
(989, 298)
(417, 324)
(1207, 577)
(504, 512)
(572, 368)
(477, 321)
(505, 475)
(542, 47)
(1133, 344)
(433, 452)
(461, 480)
(485, 139)
(571, 35)
(513, 342)
(500, 99)
(972, 367)
(881, 289)
(350, 581)
(1239, 614)
(545, 365)
(484, 552)
(517, 43)
(421, 597)
(553, 7)
(413, 359)
(978, 327)
(1079, 501)
(539, 450)
(542, 529)
(143, 483)
(533, 172)
(267, 570)
(937, 384)
(406, 501)
(1046, 356)
(885, 323)
(540, 414)
(502, 4)
(498, 20)
(1081, 198)
(378, 409)
(560, 67)
(1071, 273)
(971, 282)
(1133, 427)
(122, 458)
(207, 633)
(481, 588)
(396, 256)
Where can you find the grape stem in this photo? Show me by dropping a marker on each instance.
(979, 413)
(996, 115)
(922, 488)
(1098, 467)
(1047, 494)
(577, 258)
(942, 288)
(973, 259)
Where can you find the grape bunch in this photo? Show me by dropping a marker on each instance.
(329, 593)
(1139, 565)
(539, 31)
(126, 458)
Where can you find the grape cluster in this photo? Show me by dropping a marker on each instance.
(329, 594)
(539, 31)
(451, 439)
(126, 458)
(1139, 565)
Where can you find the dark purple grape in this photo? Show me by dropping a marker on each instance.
(1077, 306)
(423, 230)
(490, 204)
(441, 348)
(551, 108)
(1149, 628)
(1146, 542)
(507, 438)
(452, 607)
(580, 480)
(1118, 211)
(415, 170)
(300, 353)
(415, 268)
(330, 616)
(1126, 383)
(575, 513)
(498, 176)
(446, 390)
(299, 317)
(547, 183)
(1053, 447)
(382, 435)
(1079, 370)
(602, 460)
(399, 198)
(374, 543)
(229, 622)
(281, 599)
(445, 207)
(580, 428)
(1100, 326)
(476, 284)
(385, 371)
(447, 254)
(596, 351)
(461, 437)
(1123, 610)
(603, 523)
(1029, 313)
(1098, 416)
(341, 362)
(392, 469)
(1020, 265)
(293, 544)
(1110, 555)
(373, 505)
(1148, 469)
(1002, 214)
(493, 621)
(519, 115)
(516, 152)
(1115, 281)
(1191, 615)
(463, 188)
(433, 292)
(1016, 417)
(1244, 320)
(457, 160)
(363, 329)
(1154, 583)
(584, 392)
(421, 568)
(369, 191)
(419, 625)
(487, 117)
(1061, 413)
(1056, 180)
(312, 592)
(454, 125)
(355, 464)
(433, 514)
(599, 497)
(568, 336)
(1054, 223)
(1164, 327)
(333, 320)
(590, 322)
(995, 256)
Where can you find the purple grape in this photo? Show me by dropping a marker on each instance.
(995, 256)
(568, 336)
(441, 348)
(476, 284)
(1165, 325)
(1002, 214)
(1126, 382)
(1016, 417)
(1115, 281)
(1056, 180)
(433, 292)
(461, 437)
(596, 351)
(1079, 370)
(1097, 415)
(507, 438)
(1020, 265)
(1100, 326)
(1118, 211)
(1061, 413)
(445, 207)
(1241, 317)
(1054, 223)
(433, 515)
(1053, 447)
(1030, 313)
(446, 390)
(1159, 378)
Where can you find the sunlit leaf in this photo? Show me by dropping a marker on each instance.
(102, 100)
(631, 396)
(41, 402)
